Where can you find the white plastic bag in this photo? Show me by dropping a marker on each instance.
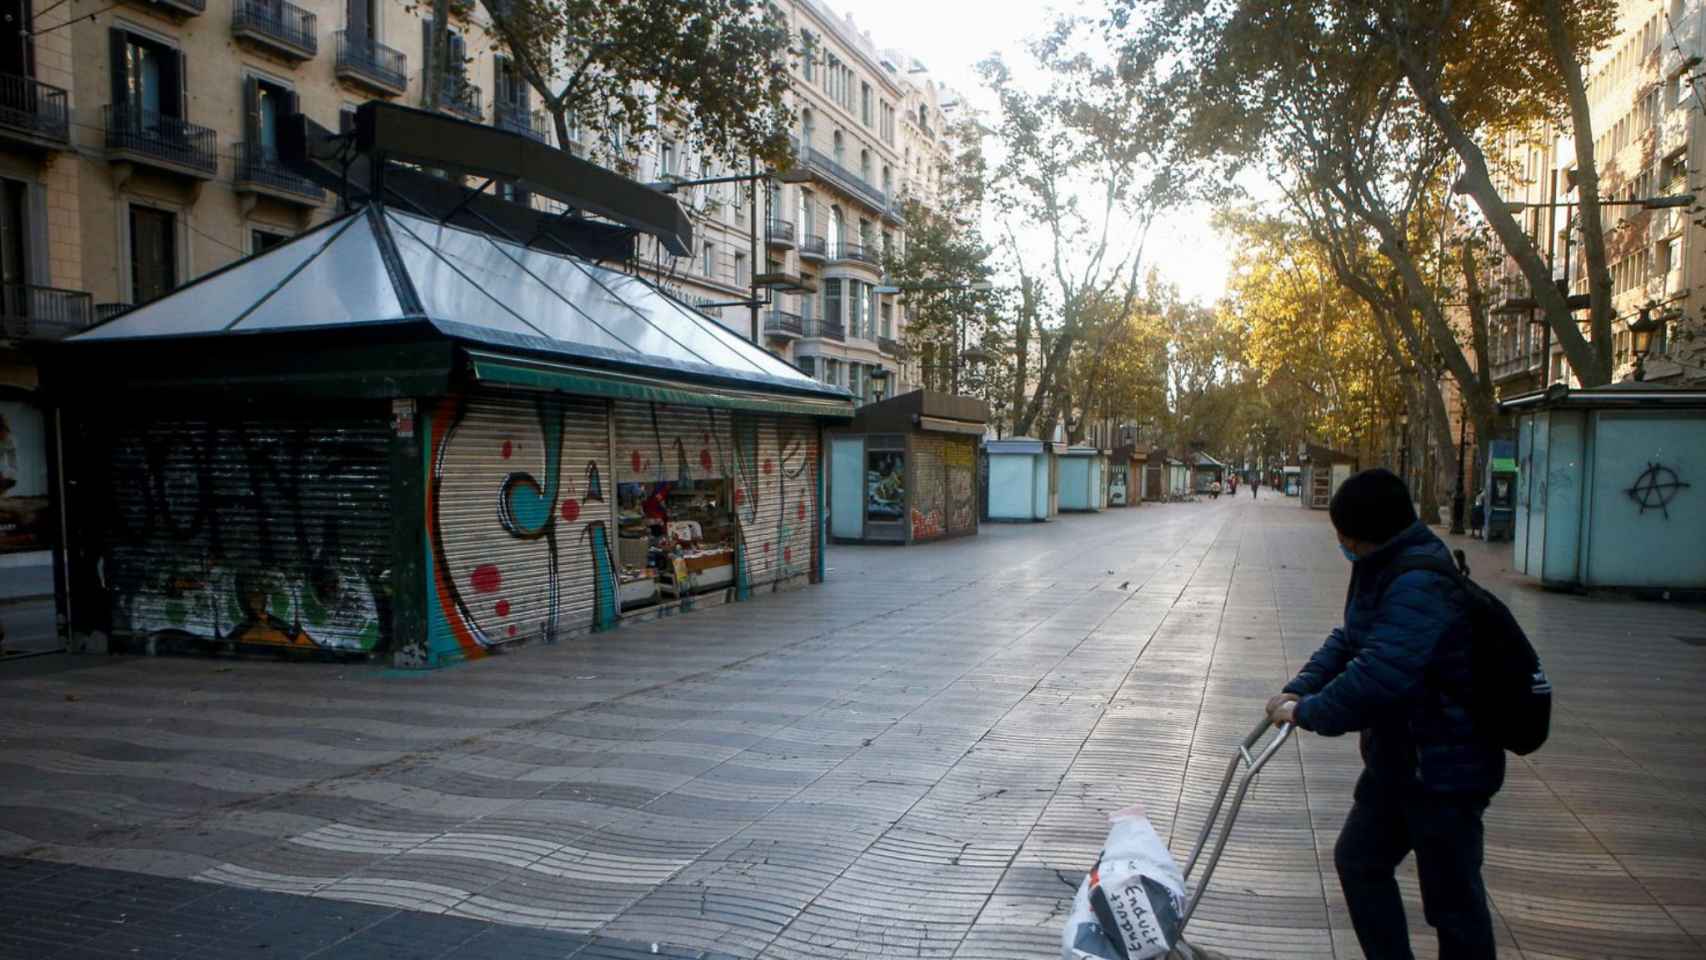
(1128, 907)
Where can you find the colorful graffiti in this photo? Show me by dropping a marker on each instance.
(926, 525)
(959, 460)
(501, 510)
(249, 532)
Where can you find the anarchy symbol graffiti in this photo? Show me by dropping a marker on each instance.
(1655, 488)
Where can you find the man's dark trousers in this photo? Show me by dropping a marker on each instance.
(1387, 823)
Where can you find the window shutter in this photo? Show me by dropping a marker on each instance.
(252, 112)
(426, 52)
(500, 81)
(174, 86)
(457, 66)
(121, 79)
(291, 104)
(356, 17)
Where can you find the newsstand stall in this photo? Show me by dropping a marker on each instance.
(904, 470)
(1024, 475)
(1126, 476)
(423, 438)
(1082, 478)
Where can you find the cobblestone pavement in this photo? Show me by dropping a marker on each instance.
(912, 760)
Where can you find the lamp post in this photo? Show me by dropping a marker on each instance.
(1459, 495)
(1641, 338)
(975, 286)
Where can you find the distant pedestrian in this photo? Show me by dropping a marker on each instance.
(1399, 672)
(1214, 490)
(1254, 486)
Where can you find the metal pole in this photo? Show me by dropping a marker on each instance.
(1551, 264)
(1457, 497)
(752, 258)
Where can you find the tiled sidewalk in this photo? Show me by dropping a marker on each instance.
(913, 760)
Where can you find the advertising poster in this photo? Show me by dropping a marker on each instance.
(25, 522)
(885, 486)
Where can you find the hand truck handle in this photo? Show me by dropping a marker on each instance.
(1253, 764)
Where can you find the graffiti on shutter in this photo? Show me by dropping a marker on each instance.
(959, 462)
(929, 492)
(517, 517)
(265, 530)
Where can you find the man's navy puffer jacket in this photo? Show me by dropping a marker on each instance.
(1400, 672)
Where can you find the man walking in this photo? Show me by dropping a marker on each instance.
(1398, 672)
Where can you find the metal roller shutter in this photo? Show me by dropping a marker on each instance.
(930, 487)
(657, 442)
(959, 465)
(519, 520)
(265, 529)
(778, 518)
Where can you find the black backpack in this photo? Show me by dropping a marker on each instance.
(1512, 699)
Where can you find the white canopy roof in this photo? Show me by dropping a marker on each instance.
(378, 266)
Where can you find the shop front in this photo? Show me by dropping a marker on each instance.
(1126, 476)
(1206, 472)
(393, 438)
(27, 518)
(905, 470)
(1083, 478)
(1024, 477)
(1611, 487)
(1292, 479)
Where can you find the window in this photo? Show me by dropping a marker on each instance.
(888, 320)
(16, 243)
(148, 85)
(153, 253)
(887, 127)
(859, 295)
(1673, 255)
(456, 66)
(865, 165)
(888, 181)
(807, 221)
(666, 158)
(807, 366)
(742, 278)
(260, 241)
(832, 371)
(265, 105)
(363, 19)
(840, 147)
(866, 115)
(808, 56)
(834, 238)
(855, 379)
(871, 312)
(512, 105)
(807, 127)
(707, 258)
(832, 301)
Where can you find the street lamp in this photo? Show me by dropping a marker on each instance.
(1641, 339)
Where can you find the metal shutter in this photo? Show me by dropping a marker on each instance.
(929, 487)
(519, 520)
(959, 464)
(262, 529)
(778, 519)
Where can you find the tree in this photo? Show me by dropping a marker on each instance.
(1120, 371)
(1095, 151)
(715, 72)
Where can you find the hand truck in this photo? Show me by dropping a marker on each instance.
(1253, 764)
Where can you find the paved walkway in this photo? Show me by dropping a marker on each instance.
(913, 760)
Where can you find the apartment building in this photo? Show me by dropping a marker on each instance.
(1649, 121)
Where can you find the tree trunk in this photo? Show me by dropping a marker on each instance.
(1479, 181)
(1587, 187)
(439, 59)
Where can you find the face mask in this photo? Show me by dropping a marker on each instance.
(1347, 552)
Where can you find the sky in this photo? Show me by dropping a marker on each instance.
(951, 36)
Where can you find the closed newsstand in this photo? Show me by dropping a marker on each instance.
(391, 437)
(905, 469)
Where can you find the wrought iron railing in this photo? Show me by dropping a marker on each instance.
(891, 346)
(278, 20)
(813, 246)
(104, 311)
(857, 251)
(516, 119)
(373, 61)
(35, 108)
(160, 137)
(783, 323)
(826, 166)
(779, 231)
(460, 98)
(30, 312)
(827, 329)
(261, 166)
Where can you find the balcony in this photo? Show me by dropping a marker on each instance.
(459, 99)
(174, 8)
(814, 164)
(783, 325)
(366, 63)
(259, 171)
(278, 27)
(814, 248)
(34, 113)
(155, 140)
(779, 233)
(29, 312)
(857, 253)
(891, 347)
(825, 330)
(508, 116)
(107, 311)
